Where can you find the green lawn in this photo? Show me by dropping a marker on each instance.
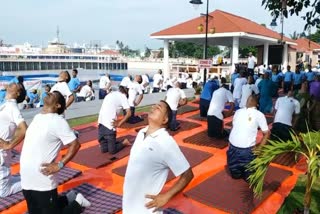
(295, 199)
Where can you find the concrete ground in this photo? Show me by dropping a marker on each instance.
(82, 109)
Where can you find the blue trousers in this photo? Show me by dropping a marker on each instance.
(237, 161)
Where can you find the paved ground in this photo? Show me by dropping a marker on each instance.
(93, 107)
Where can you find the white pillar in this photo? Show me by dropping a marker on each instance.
(166, 69)
(266, 53)
(235, 51)
(285, 56)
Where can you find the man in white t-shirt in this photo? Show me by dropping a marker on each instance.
(215, 115)
(157, 81)
(86, 92)
(251, 64)
(287, 109)
(126, 81)
(182, 79)
(38, 164)
(245, 124)
(135, 96)
(104, 86)
(237, 91)
(145, 83)
(107, 120)
(12, 131)
(175, 97)
(153, 153)
(247, 90)
(63, 88)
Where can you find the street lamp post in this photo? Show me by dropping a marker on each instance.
(197, 3)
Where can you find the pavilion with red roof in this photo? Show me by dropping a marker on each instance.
(308, 50)
(227, 29)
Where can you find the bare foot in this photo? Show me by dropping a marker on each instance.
(126, 142)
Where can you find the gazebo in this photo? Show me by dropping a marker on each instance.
(229, 30)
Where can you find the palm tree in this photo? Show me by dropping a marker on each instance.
(295, 35)
(306, 144)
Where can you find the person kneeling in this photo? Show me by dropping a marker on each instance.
(38, 166)
(246, 122)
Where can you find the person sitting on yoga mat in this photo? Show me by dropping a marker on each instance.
(215, 117)
(287, 109)
(206, 95)
(135, 95)
(175, 97)
(63, 88)
(153, 153)
(246, 122)
(107, 120)
(12, 131)
(39, 165)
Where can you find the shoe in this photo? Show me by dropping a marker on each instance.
(71, 196)
(82, 200)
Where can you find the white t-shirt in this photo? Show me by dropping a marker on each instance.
(63, 88)
(43, 147)
(285, 107)
(247, 90)
(145, 80)
(86, 91)
(189, 83)
(219, 98)
(104, 80)
(135, 89)
(245, 124)
(10, 117)
(238, 83)
(149, 163)
(112, 103)
(251, 62)
(258, 81)
(173, 97)
(125, 82)
(156, 80)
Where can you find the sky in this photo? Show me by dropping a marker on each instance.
(129, 21)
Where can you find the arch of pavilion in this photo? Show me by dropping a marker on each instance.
(231, 31)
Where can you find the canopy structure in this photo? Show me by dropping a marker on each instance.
(225, 29)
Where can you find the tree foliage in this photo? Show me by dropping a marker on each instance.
(126, 50)
(315, 36)
(187, 49)
(309, 10)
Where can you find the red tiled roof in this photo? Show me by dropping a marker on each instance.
(110, 52)
(304, 44)
(223, 22)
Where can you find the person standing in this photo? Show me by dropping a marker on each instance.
(309, 75)
(153, 153)
(215, 117)
(135, 96)
(108, 121)
(315, 106)
(157, 81)
(247, 90)
(38, 165)
(297, 79)
(276, 79)
(12, 131)
(104, 86)
(266, 90)
(74, 84)
(251, 64)
(245, 124)
(206, 95)
(288, 80)
(287, 109)
(175, 98)
(63, 88)
(126, 81)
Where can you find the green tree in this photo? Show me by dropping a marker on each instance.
(244, 51)
(188, 49)
(147, 52)
(315, 36)
(306, 9)
(295, 35)
(306, 145)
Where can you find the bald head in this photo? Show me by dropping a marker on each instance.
(252, 101)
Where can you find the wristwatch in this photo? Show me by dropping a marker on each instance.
(60, 164)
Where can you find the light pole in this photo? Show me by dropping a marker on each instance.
(197, 3)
